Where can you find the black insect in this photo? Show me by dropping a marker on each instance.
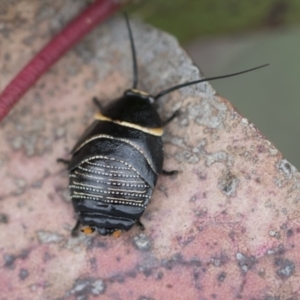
(116, 163)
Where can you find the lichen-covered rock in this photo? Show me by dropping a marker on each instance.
(226, 227)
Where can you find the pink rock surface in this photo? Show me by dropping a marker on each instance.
(226, 227)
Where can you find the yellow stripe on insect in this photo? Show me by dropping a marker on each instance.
(140, 92)
(153, 131)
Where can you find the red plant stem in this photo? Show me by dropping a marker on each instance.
(66, 39)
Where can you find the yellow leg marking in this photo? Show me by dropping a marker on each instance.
(116, 233)
(87, 230)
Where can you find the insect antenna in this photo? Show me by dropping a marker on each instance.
(135, 70)
(176, 87)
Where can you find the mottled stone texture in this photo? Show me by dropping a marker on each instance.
(226, 227)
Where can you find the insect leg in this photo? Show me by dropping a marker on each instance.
(174, 115)
(64, 161)
(74, 231)
(169, 173)
(97, 102)
(140, 224)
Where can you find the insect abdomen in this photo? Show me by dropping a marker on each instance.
(107, 191)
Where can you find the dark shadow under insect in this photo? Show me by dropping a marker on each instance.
(116, 162)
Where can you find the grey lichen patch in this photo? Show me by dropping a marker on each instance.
(72, 69)
(9, 261)
(185, 240)
(209, 112)
(33, 287)
(45, 12)
(59, 131)
(23, 274)
(272, 151)
(64, 14)
(220, 260)
(186, 153)
(200, 148)
(47, 237)
(277, 182)
(148, 265)
(289, 233)
(79, 286)
(184, 122)
(269, 204)
(187, 156)
(221, 276)
(145, 298)
(174, 140)
(30, 145)
(31, 133)
(163, 189)
(276, 250)
(142, 242)
(262, 272)
(84, 287)
(228, 184)
(193, 198)
(79, 243)
(167, 263)
(245, 262)
(89, 84)
(3, 159)
(117, 278)
(274, 233)
(245, 122)
(201, 213)
(287, 268)
(3, 218)
(216, 262)
(20, 182)
(269, 297)
(97, 287)
(63, 193)
(178, 260)
(17, 142)
(86, 51)
(37, 184)
(286, 168)
(202, 175)
(220, 156)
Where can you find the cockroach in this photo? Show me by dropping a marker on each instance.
(116, 162)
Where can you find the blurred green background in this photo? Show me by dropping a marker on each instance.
(224, 36)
